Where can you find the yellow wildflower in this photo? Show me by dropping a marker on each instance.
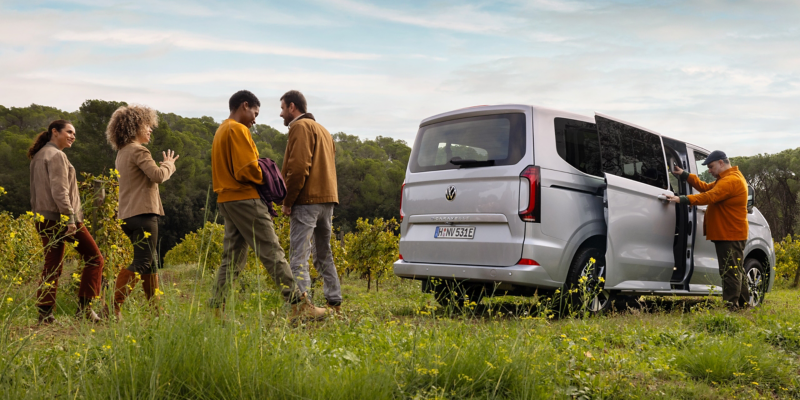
(9, 299)
(64, 218)
(39, 217)
(12, 234)
(28, 213)
(592, 260)
(2, 191)
(75, 244)
(147, 235)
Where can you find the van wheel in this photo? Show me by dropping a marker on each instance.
(756, 281)
(452, 294)
(584, 287)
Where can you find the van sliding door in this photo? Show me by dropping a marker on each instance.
(640, 227)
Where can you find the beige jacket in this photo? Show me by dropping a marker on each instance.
(309, 165)
(54, 187)
(139, 176)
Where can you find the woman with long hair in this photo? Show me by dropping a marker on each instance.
(56, 202)
(140, 206)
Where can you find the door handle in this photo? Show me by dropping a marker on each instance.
(663, 198)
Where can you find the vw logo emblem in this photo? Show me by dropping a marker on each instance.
(450, 194)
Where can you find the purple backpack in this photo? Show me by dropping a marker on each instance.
(274, 188)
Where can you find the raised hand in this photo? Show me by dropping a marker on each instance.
(169, 156)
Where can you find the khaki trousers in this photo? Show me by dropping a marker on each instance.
(248, 224)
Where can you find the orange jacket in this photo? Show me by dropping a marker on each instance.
(234, 163)
(726, 215)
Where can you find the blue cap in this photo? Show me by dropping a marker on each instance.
(715, 155)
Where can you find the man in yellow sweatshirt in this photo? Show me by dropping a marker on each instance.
(725, 223)
(235, 173)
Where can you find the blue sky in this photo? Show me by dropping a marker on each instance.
(720, 74)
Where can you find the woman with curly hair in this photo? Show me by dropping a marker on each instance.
(140, 206)
(57, 205)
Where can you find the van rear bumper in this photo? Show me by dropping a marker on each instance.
(522, 275)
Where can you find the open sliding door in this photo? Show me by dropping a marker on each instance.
(641, 228)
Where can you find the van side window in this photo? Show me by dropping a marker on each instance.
(631, 153)
(577, 144)
(702, 170)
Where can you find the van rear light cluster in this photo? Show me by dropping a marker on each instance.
(402, 189)
(527, 261)
(533, 212)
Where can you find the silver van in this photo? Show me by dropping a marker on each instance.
(517, 199)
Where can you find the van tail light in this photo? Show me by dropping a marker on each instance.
(527, 261)
(402, 189)
(533, 212)
(401, 256)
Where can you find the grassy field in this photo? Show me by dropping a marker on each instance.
(397, 344)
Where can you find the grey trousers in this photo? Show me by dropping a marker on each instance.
(248, 223)
(310, 231)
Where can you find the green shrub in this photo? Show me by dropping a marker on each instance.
(787, 259)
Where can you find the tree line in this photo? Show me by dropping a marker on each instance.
(370, 172)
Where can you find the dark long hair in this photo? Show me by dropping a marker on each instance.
(45, 136)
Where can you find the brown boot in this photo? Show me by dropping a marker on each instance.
(126, 281)
(151, 292)
(46, 315)
(306, 311)
(335, 309)
(85, 310)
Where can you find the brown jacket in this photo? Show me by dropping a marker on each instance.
(139, 177)
(234, 163)
(309, 165)
(54, 186)
(726, 215)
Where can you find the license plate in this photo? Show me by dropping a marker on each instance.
(454, 232)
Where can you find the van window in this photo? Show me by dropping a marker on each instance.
(577, 144)
(702, 170)
(488, 140)
(631, 153)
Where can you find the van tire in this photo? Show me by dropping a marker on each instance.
(578, 300)
(757, 280)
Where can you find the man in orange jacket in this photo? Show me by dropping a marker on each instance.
(725, 223)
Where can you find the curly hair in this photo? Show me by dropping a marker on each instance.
(128, 122)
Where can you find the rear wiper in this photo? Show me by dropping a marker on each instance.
(470, 163)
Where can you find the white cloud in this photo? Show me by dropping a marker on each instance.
(197, 42)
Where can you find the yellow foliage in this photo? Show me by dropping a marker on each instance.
(787, 258)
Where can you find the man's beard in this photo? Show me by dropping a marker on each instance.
(286, 121)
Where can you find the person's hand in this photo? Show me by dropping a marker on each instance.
(169, 156)
(677, 170)
(286, 210)
(673, 198)
(71, 228)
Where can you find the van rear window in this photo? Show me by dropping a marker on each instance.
(473, 142)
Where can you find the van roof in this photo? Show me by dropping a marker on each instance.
(492, 109)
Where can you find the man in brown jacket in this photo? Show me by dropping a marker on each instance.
(235, 172)
(725, 223)
(309, 169)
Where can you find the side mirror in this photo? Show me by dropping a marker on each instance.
(751, 199)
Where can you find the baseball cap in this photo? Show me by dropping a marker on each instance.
(715, 155)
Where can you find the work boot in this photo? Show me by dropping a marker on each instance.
(46, 315)
(306, 311)
(126, 281)
(85, 310)
(335, 309)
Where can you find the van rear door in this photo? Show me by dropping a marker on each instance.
(640, 227)
(461, 199)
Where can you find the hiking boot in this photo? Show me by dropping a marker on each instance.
(306, 311)
(334, 309)
(151, 292)
(46, 315)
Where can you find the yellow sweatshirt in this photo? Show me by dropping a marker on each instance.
(234, 163)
